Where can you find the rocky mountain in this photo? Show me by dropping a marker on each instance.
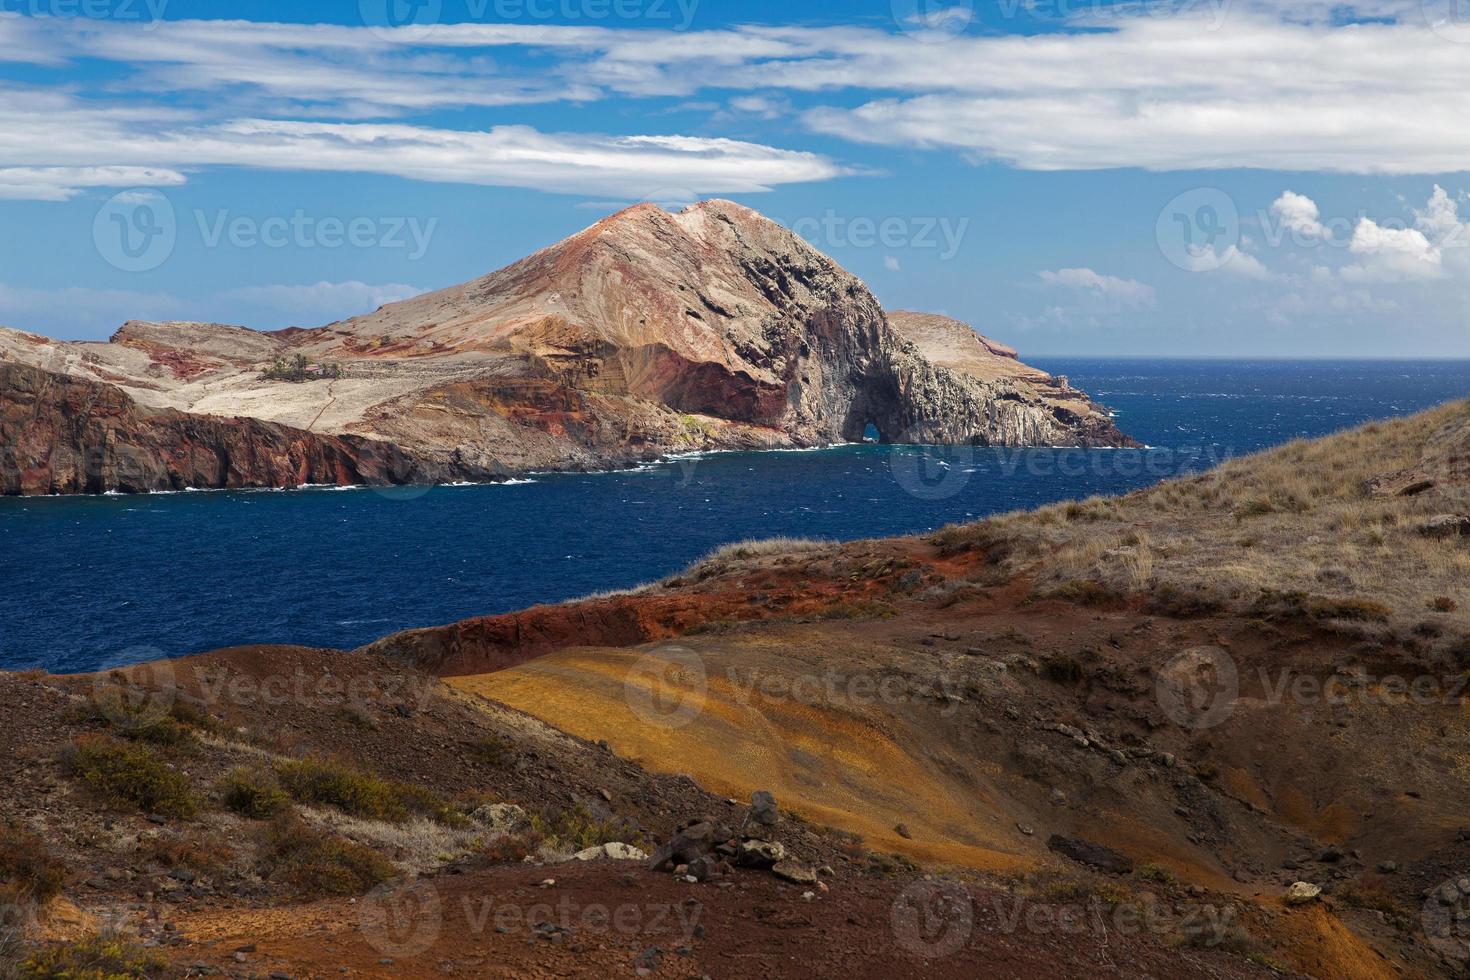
(647, 333)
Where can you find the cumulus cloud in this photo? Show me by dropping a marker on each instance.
(1299, 214)
(1127, 293)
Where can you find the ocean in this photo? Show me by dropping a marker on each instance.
(89, 582)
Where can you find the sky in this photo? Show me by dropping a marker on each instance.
(1261, 178)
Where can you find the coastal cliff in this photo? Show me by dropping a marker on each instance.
(645, 334)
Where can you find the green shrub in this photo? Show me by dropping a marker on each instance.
(131, 774)
(1154, 872)
(253, 793)
(326, 782)
(102, 957)
(312, 863)
(577, 829)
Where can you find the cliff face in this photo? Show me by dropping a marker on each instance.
(66, 435)
(644, 334)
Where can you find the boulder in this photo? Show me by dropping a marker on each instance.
(794, 873)
(1446, 526)
(1302, 892)
(763, 809)
(759, 853)
(611, 852)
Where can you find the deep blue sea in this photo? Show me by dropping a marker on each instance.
(91, 582)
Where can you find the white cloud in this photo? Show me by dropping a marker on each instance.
(1270, 85)
(1128, 293)
(1299, 214)
(891, 263)
(1392, 254)
(54, 130)
(64, 183)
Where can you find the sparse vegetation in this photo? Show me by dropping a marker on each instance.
(577, 829)
(319, 781)
(1296, 520)
(254, 793)
(299, 369)
(100, 957)
(29, 874)
(313, 863)
(131, 774)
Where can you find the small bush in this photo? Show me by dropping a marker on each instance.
(577, 829)
(1084, 592)
(1062, 670)
(28, 867)
(177, 852)
(312, 863)
(1443, 604)
(1178, 603)
(253, 793)
(102, 957)
(131, 774)
(512, 848)
(1369, 891)
(1356, 610)
(1154, 872)
(491, 750)
(327, 782)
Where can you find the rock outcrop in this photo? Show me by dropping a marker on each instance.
(62, 435)
(645, 334)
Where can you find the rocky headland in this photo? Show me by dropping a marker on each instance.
(645, 334)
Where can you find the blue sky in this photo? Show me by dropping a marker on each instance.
(1084, 177)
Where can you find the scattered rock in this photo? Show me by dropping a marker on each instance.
(1446, 526)
(500, 817)
(611, 852)
(1302, 892)
(763, 809)
(759, 853)
(902, 830)
(794, 873)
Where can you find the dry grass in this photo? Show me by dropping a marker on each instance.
(1297, 520)
(721, 558)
